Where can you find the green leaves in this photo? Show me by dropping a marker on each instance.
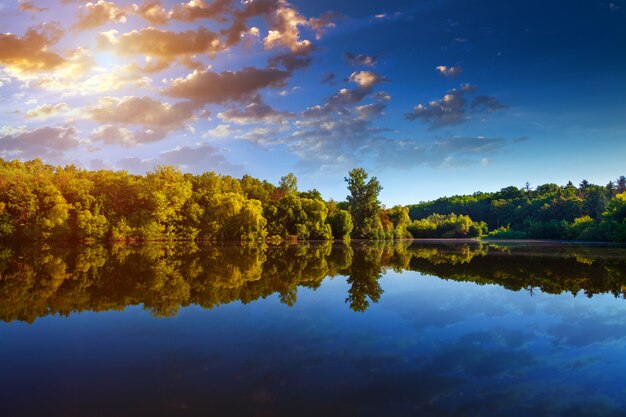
(364, 204)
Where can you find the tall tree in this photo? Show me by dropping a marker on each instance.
(364, 204)
(289, 183)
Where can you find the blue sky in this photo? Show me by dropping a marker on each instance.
(433, 97)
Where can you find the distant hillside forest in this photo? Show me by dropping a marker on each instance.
(549, 211)
(40, 202)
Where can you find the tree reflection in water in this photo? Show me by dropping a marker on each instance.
(36, 281)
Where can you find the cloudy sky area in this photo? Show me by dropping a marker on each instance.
(433, 97)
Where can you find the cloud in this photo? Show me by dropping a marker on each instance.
(30, 53)
(487, 103)
(153, 120)
(368, 111)
(283, 21)
(381, 95)
(80, 76)
(114, 135)
(218, 87)
(449, 72)
(200, 158)
(47, 110)
(448, 111)
(468, 150)
(162, 45)
(340, 115)
(331, 144)
(453, 108)
(326, 21)
(93, 15)
(328, 78)
(48, 143)
(153, 11)
(340, 133)
(360, 60)
(265, 136)
(445, 153)
(136, 165)
(29, 6)
(283, 29)
(292, 61)
(200, 9)
(128, 138)
(195, 159)
(141, 110)
(255, 112)
(284, 25)
(365, 79)
(97, 164)
(333, 135)
(220, 131)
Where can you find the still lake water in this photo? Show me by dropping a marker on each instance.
(380, 329)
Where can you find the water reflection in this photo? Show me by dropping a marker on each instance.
(44, 280)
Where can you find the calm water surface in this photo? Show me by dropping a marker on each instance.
(383, 329)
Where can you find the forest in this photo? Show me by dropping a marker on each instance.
(40, 202)
(549, 211)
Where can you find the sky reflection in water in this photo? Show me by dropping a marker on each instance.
(383, 336)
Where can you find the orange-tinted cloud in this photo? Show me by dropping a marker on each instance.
(79, 75)
(284, 30)
(219, 87)
(113, 135)
(153, 11)
(46, 110)
(93, 15)
(152, 120)
(30, 6)
(142, 111)
(162, 45)
(449, 72)
(199, 9)
(365, 79)
(283, 23)
(30, 53)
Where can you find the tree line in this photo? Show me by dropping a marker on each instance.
(40, 202)
(549, 211)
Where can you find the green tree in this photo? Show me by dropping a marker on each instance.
(341, 224)
(399, 216)
(364, 204)
(165, 192)
(615, 218)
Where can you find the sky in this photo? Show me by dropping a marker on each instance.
(434, 98)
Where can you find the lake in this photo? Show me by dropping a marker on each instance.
(320, 329)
